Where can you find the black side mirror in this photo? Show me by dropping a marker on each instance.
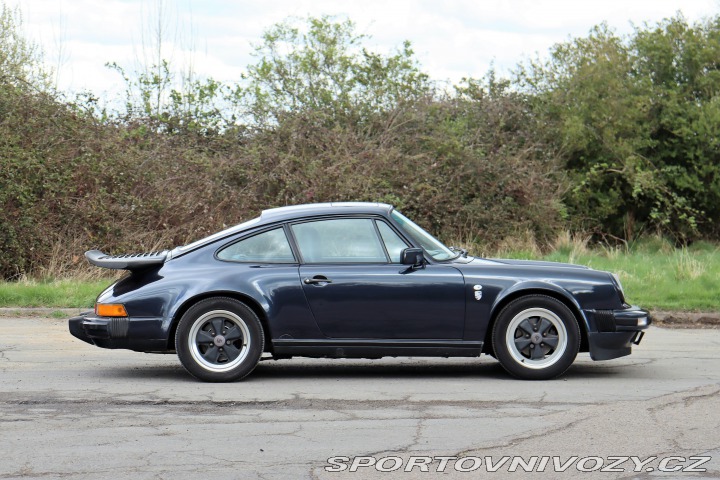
(413, 257)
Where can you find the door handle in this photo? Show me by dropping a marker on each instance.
(316, 280)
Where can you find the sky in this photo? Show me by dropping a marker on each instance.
(452, 39)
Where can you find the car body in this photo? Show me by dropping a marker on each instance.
(355, 280)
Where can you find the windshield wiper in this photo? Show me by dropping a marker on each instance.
(460, 251)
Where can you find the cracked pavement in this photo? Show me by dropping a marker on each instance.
(71, 410)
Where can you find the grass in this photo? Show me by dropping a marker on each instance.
(680, 280)
(51, 293)
(654, 274)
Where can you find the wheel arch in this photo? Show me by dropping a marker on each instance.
(246, 299)
(565, 298)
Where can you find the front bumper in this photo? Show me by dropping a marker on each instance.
(139, 334)
(614, 332)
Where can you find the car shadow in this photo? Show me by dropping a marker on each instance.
(324, 369)
(403, 369)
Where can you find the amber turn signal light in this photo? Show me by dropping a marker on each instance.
(110, 310)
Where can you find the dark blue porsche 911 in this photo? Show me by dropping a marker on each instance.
(353, 280)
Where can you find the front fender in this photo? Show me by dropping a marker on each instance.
(543, 288)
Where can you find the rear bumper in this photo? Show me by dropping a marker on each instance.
(616, 331)
(139, 334)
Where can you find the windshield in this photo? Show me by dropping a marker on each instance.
(430, 244)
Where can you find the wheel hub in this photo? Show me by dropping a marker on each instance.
(219, 341)
(536, 338)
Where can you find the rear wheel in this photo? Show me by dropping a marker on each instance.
(536, 337)
(219, 340)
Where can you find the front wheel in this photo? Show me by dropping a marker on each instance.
(219, 340)
(536, 337)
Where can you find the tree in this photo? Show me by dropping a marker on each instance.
(20, 59)
(680, 68)
(165, 98)
(322, 66)
(636, 120)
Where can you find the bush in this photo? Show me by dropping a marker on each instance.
(617, 136)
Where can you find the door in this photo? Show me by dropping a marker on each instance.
(357, 288)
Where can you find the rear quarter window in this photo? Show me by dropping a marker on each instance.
(266, 247)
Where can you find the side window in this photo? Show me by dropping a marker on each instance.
(267, 247)
(345, 240)
(393, 243)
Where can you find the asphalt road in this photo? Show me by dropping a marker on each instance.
(70, 410)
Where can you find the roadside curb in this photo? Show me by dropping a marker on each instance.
(686, 319)
(660, 318)
(44, 312)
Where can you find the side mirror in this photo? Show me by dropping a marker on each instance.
(413, 257)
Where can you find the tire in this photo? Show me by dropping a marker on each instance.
(536, 337)
(219, 356)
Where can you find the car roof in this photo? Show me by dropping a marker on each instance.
(319, 209)
(292, 212)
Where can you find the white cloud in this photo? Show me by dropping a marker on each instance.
(452, 38)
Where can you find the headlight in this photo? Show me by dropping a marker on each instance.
(619, 286)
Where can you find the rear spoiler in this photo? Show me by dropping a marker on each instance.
(133, 261)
